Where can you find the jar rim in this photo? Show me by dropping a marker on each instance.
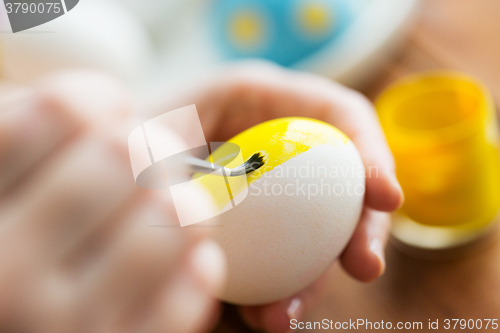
(419, 84)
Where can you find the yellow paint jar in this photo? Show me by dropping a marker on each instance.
(441, 127)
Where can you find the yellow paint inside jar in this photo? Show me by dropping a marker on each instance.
(442, 130)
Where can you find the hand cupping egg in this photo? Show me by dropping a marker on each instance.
(300, 210)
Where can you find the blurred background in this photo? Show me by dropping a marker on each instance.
(365, 44)
(173, 40)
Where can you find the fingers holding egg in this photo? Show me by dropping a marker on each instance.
(364, 256)
(300, 210)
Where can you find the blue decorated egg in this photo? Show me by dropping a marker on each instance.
(282, 31)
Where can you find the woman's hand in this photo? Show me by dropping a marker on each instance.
(78, 250)
(250, 93)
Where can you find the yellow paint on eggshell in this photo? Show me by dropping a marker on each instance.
(278, 141)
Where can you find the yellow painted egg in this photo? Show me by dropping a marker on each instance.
(290, 219)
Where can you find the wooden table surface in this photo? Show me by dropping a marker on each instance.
(454, 34)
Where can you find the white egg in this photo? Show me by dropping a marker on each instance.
(96, 34)
(295, 219)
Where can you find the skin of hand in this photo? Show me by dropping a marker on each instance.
(247, 94)
(77, 253)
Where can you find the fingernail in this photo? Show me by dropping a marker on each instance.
(376, 247)
(397, 185)
(295, 309)
(209, 263)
